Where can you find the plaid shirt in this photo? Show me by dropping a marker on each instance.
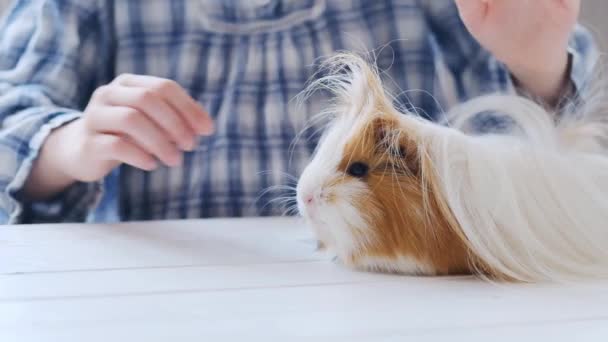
(243, 60)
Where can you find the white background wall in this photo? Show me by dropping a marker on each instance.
(595, 13)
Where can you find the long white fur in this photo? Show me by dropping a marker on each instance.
(337, 223)
(533, 203)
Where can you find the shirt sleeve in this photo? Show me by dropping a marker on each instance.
(48, 68)
(474, 71)
(584, 57)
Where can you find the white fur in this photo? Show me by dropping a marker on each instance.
(333, 221)
(341, 226)
(401, 264)
(533, 204)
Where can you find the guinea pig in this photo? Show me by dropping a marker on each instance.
(389, 191)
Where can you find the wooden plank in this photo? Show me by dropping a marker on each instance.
(557, 331)
(256, 280)
(179, 279)
(587, 331)
(414, 306)
(153, 244)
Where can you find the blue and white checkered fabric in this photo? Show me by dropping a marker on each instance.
(244, 60)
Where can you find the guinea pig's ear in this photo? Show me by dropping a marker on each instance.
(392, 141)
(383, 129)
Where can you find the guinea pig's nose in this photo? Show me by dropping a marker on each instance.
(308, 199)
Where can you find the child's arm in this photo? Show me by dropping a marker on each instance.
(55, 142)
(48, 65)
(509, 51)
(529, 37)
(134, 120)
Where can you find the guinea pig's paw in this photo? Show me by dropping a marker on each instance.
(321, 247)
(331, 257)
(348, 261)
(315, 244)
(392, 265)
(324, 252)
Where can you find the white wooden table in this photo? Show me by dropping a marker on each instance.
(256, 280)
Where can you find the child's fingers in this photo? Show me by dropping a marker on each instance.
(118, 149)
(198, 119)
(571, 5)
(152, 105)
(140, 129)
(472, 12)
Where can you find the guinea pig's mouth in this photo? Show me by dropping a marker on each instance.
(310, 213)
(310, 204)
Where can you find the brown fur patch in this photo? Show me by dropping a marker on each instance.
(405, 211)
(406, 215)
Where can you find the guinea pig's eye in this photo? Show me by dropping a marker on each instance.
(358, 169)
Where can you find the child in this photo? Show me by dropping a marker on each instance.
(99, 100)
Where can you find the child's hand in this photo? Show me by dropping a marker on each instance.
(134, 120)
(529, 36)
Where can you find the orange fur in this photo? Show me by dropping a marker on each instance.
(404, 223)
(405, 213)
